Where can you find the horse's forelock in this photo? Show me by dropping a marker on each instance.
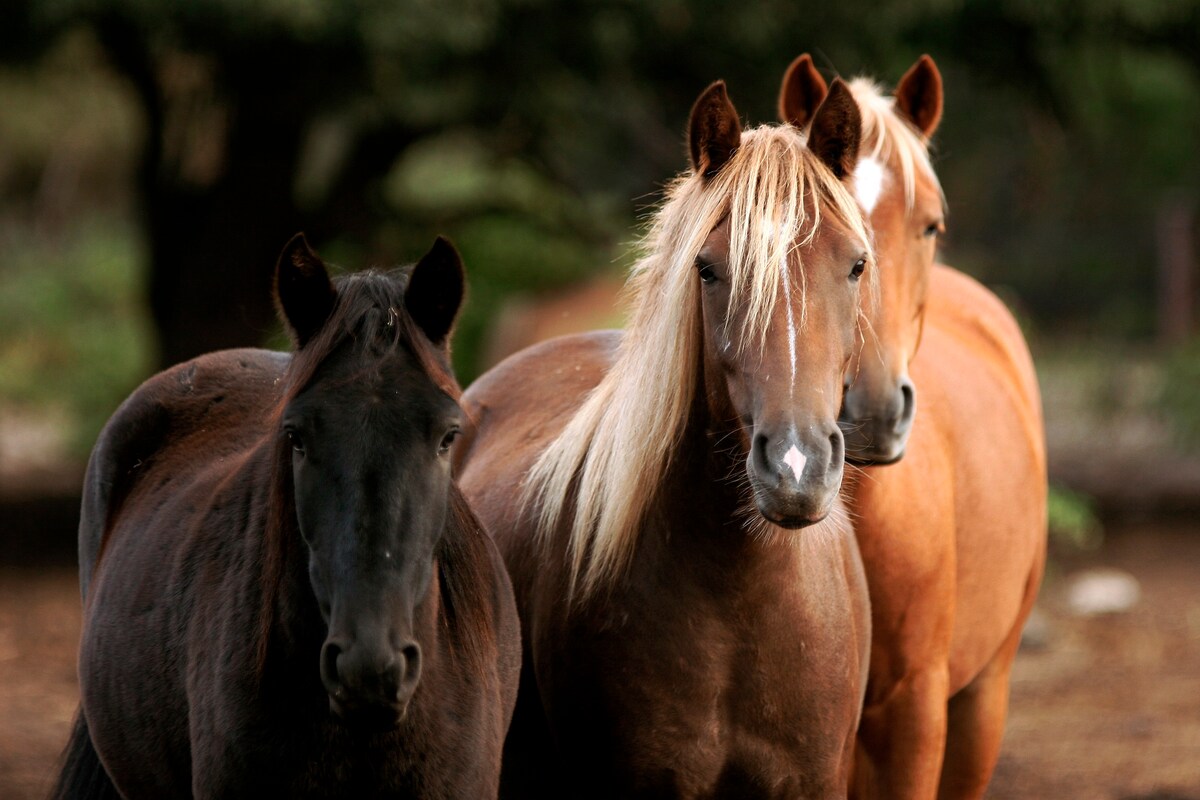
(370, 310)
(779, 201)
(886, 135)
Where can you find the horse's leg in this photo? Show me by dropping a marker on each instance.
(911, 575)
(975, 726)
(977, 712)
(902, 737)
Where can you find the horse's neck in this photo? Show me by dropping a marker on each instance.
(713, 443)
(460, 592)
(703, 506)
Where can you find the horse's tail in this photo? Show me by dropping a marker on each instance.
(83, 775)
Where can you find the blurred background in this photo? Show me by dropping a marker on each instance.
(156, 155)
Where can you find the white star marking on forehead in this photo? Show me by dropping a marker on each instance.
(869, 176)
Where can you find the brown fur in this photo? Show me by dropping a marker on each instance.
(202, 635)
(953, 536)
(720, 655)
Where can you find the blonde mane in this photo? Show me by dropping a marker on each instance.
(886, 135)
(612, 454)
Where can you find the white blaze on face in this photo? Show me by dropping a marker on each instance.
(868, 183)
(796, 460)
(791, 323)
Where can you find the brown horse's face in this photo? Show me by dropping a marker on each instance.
(370, 437)
(786, 388)
(880, 398)
(783, 382)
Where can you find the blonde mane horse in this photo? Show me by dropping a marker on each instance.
(617, 446)
(953, 536)
(667, 499)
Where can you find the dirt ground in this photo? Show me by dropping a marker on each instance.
(1107, 707)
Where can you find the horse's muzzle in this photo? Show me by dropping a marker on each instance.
(795, 480)
(370, 687)
(877, 429)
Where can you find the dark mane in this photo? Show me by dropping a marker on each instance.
(463, 572)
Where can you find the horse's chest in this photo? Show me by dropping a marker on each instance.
(695, 696)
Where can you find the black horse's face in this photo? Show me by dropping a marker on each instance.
(371, 476)
(369, 435)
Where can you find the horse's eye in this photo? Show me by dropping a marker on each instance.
(857, 271)
(296, 442)
(707, 276)
(448, 440)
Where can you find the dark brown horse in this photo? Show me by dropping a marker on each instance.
(666, 499)
(285, 593)
(953, 536)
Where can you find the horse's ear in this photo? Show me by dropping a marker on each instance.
(304, 295)
(714, 131)
(836, 129)
(919, 95)
(435, 290)
(801, 93)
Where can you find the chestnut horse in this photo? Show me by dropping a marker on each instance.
(953, 537)
(285, 594)
(682, 637)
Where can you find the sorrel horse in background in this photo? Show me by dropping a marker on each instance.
(682, 639)
(285, 593)
(953, 536)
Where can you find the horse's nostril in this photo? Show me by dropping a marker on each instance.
(410, 669)
(907, 399)
(758, 452)
(329, 667)
(837, 453)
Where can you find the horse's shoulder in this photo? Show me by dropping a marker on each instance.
(980, 321)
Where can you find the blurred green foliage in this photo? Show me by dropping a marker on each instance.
(1181, 392)
(534, 133)
(1072, 519)
(74, 334)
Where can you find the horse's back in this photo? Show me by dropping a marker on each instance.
(975, 371)
(180, 418)
(965, 307)
(515, 409)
